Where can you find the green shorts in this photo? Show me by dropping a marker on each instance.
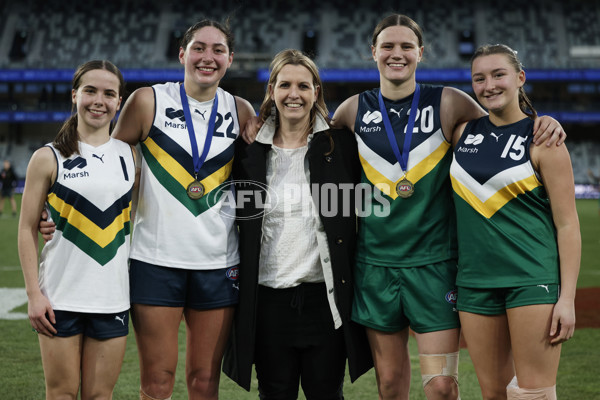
(391, 299)
(495, 301)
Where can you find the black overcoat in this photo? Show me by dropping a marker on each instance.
(340, 166)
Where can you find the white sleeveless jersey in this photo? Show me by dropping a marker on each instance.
(171, 229)
(84, 267)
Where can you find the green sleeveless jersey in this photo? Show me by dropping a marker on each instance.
(395, 231)
(506, 233)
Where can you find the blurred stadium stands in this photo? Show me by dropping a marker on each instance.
(41, 42)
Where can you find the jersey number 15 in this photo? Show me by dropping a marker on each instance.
(515, 147)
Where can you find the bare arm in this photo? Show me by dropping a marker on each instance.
(136, 118)
(457, 133)
(249, 122)
(554, 165)
(456, 108)
(345, 115)
(40, 173)
(136, 184)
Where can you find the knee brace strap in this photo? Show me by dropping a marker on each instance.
(144, 396)
(433, 365)
(514, 392)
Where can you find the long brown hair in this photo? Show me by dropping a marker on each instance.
(66, 141)
(489, 49)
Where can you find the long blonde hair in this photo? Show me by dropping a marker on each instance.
(294, 57)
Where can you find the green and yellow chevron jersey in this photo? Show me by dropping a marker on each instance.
(506, 233)
(395, 231)
(171, 229)
(84, 267)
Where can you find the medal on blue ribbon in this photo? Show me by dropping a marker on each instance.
(404, 187)
(195, 189)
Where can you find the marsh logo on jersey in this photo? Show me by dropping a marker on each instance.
(172, 114)
(232, 273)
(78, 162)
(451, 296)
(474, 139)
(372, 117)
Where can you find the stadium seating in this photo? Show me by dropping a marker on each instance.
(135, 33)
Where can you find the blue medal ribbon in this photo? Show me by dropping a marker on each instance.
(402, 158)
(198, 160)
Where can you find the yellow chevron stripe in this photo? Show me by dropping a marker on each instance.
(180, 174)
(416, 173)
(499, 199)
(102, 237)
(424, 167)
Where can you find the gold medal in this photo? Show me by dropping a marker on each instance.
(405, 188)
(195, 190)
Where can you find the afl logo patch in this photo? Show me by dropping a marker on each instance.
(451, 297)
(233, 273)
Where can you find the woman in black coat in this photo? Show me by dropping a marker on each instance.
(296, 214)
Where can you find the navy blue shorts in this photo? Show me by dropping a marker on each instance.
(97, 326)
(175, 287)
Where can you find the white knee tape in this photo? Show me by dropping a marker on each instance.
(144, 396)
(514, 392)
(433, 365)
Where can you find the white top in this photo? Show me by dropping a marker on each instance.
(265, 135)
(289, 252)
(84, 268)
(170, 229)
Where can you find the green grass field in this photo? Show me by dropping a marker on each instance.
(22, 378)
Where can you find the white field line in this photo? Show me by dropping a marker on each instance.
(10, 268)
(11, 298)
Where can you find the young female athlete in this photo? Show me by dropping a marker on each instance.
(184, 252)
(79, 298)
(406, 260)
(518, 237)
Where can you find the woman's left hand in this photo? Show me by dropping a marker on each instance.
(563, 321)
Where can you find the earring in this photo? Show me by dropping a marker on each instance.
(274, 110)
